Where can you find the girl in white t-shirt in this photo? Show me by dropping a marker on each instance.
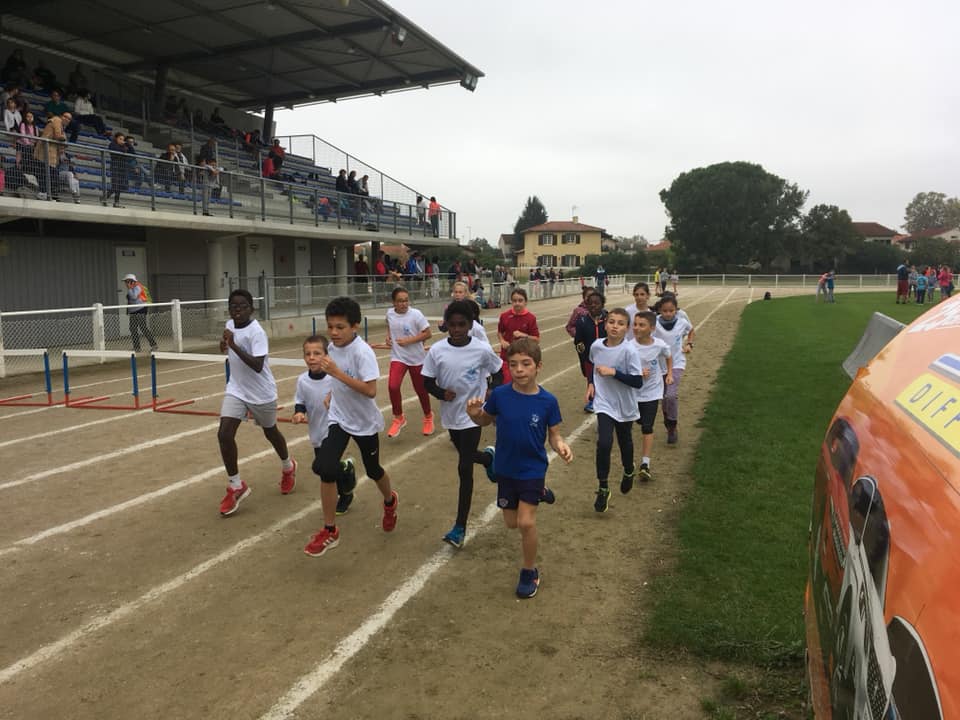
(641, 296)
(250, 389)
(407, 330)
(455, 370)
(677, 332)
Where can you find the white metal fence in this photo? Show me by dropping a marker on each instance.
(774, 281)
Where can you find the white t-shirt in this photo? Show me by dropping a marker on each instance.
(311, 393)
(357, 414)
(464, 370)
(612, 397)
(654, 357)
(256, 388)
(477, 331)
(632, 311)
(410, 323)
(674, 339)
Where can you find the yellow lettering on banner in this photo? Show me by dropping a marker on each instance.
(935, 404)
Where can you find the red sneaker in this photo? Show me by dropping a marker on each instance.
(322, 541)
(390, 513)
(428, 424)
(288, 480)
(399, 423)
(231, 501)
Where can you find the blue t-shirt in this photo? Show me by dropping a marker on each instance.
(522, 422)
(921, 282)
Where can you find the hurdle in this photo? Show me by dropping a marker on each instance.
(27, 400)
(179, 407)
(94, 403)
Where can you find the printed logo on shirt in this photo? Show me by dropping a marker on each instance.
(534, 420)
(472, 374)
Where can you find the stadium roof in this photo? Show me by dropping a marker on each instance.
(245, 53)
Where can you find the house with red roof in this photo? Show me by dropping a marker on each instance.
(559, 243)
(875, 232)
(950, 234)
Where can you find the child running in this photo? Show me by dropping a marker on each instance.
(526, 416)
(455, 370)
(617, 375)
(653, 352)
(677, 332)
(641, 298)
(589, 328)
(517, 322)
(250, 389)
(353, 414)
(407, 330)
(311, 401)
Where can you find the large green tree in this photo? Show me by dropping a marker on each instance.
(931, 210)
(934, 251)
(534, 213)
(729, 214)
(827, 238)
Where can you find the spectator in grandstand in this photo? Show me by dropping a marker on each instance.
(267, 168)
(138, 300)
(118, 167)
(15, 69)
(182, 164)
(434, 211)
(76, 83)
(342, 186)
(11, 116)
(13, 91)
(49, 152)
(68, 176)
(277, 154)
(421, 211)
(210, 183)
(360, 268)
(25, 144)
(208, 151)
(136, 170)
(56, 105)
(43, 78)
(85, 115)
(353, 187)
(166, 167)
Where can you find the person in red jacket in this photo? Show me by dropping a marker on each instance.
(138, 298)
(517, 322)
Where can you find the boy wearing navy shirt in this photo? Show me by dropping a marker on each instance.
(353, 414)
(526, 416)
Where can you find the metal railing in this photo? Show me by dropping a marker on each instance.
(57, 170)
(773, 280)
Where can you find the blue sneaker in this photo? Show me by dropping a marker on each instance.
(547, 496)
(456, 536)
(588, 407)
(529, 582)
(492, 452)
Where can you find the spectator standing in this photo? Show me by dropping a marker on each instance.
(931, 282)
(25, 144)
(182, 165)
(903, 282)
(674, 280)
(208, 151)
(831, 279)
(277, 154)
(166, 167)
(601, 278)
(138, 300)
(49, 152)
(921, 287)
(434, 211)
(118, 167)
(945, 278)
(342, 186)
(421, 211)
(11, 116)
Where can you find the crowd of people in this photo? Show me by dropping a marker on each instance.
(918, 286)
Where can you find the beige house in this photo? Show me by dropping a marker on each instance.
(559, 244)
(941, 233)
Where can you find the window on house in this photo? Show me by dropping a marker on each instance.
(548, 239)
(547, 261)
(570, 261)
(570, 239)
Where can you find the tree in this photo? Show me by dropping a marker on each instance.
(934, 251)
(729, 214)
(931, 210)
(534, 213)
(874, 257)
(486, 255)
(827, 238)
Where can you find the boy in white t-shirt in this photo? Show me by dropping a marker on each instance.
(310, 405)
(250, 389)
(353, 414)
(455, 370)
(617, 375)
(407, 330)
(677, 332)
(656, 359)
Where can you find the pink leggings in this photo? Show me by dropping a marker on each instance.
(397, 371)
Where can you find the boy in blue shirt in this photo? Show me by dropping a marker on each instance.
(526, 415)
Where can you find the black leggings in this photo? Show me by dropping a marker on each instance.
(327, 461)
(605, 427)
(467, 441)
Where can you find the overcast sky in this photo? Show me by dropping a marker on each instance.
(602, 104)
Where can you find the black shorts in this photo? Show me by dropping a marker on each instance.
(648, 415)
(327, 463)
(510, 492)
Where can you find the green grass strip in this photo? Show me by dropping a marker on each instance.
(737, 591)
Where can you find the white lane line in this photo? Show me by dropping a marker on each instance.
(309, 684)
(52, 650)
(710, 314)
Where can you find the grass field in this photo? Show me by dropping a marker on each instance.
(736, 592)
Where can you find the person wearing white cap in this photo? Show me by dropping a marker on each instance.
(138, 298)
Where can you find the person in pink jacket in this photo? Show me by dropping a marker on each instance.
(945, 278)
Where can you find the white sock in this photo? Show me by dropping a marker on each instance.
(287, 463)
(645, 461)
(234, 481)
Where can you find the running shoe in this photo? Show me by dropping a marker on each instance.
(390, 513)
(645, 475)
(428, 424)
(529, 582)
(348, 481)
(456, 536)
(603, 500)
(547, 496)
(231, 501)
(322, 541)
(492, 452)
(399, 423)
(626, 482)
(672, 436)
(343, 503)
(588, 408)
(288, 479)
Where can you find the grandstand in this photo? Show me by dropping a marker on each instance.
(182, 230)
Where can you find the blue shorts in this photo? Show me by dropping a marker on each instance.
(510, 492)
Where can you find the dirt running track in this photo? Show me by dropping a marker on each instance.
(125, 595)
